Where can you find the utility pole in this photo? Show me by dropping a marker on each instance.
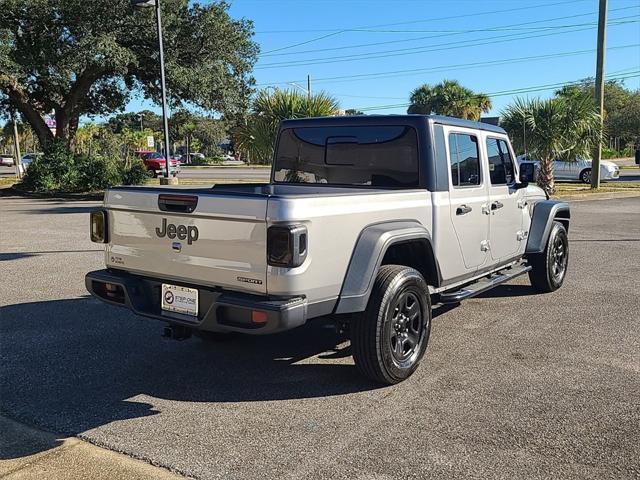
(602, 39)
(308, 87)
(16, 145)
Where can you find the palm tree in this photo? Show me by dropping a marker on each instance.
(257, 137)
(449, 98)
(557, 128)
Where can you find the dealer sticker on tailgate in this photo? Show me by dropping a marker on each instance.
(180, 299)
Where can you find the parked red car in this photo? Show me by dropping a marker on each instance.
(155, 163)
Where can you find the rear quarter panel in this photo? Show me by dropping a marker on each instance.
(334, 224)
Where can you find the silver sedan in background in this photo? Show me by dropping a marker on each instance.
(578, 170)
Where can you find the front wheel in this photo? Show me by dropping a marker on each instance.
(549, 268)
(585, 176)
(390, 337)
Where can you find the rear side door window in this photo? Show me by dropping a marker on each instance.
(501, 171)
(464, 159)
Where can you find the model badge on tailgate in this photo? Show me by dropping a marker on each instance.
(255, 281)
(190, 233)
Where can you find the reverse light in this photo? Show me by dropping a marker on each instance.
(98, 226)
(286, 245)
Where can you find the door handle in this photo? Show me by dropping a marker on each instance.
(463, 210)
(496, 205)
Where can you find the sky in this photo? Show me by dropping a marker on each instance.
(370, 54)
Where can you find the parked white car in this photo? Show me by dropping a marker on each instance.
(580, 170)
(6, 160)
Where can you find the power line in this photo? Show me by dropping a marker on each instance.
(416, 50)
(443, 34)
(338, 32)
(502, 93)
(460, 66)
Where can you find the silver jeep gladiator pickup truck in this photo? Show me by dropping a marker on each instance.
(368, 219)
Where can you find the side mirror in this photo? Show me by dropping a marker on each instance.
(527, 172)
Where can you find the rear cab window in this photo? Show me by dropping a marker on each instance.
(375, 156)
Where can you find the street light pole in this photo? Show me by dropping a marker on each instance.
(165, 121)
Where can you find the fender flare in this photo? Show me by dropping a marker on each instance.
(367, 256)
(544, 214)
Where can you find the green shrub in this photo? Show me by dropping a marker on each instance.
(609, 153)
(52, 171)
(135, 174)
(197, 162)
(95, 173)
(60, 170)
(628, 151)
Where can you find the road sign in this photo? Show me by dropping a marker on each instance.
(150, 141)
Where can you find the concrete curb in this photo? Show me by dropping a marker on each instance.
(13, 191)
(29, 453)
(597, 196)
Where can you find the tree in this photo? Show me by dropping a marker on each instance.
(557, 128)
(269, 108)
(210, 134)
(621, 109)
(449, 98)
(132, 121)
(353, 112)
(78, 57)
(26, 137)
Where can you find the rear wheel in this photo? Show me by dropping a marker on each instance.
(549, 268)
(390, 337)
(585, 175)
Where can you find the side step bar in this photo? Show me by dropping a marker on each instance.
(483, 285)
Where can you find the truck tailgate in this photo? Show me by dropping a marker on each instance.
(221, 242)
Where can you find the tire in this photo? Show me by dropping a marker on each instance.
(390, 337)
(585, 176)
(549, 268)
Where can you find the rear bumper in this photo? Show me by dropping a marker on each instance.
(219, 311)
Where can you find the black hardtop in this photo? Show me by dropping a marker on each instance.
(411, 120)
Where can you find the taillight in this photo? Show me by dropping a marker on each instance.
(286, 245)
(98, 222)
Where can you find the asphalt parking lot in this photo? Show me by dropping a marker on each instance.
(514, 385)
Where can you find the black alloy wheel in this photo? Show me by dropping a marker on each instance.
(406, 328)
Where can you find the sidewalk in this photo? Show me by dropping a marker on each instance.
(27, 453)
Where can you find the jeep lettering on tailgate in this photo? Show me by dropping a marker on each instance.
(172, 231)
